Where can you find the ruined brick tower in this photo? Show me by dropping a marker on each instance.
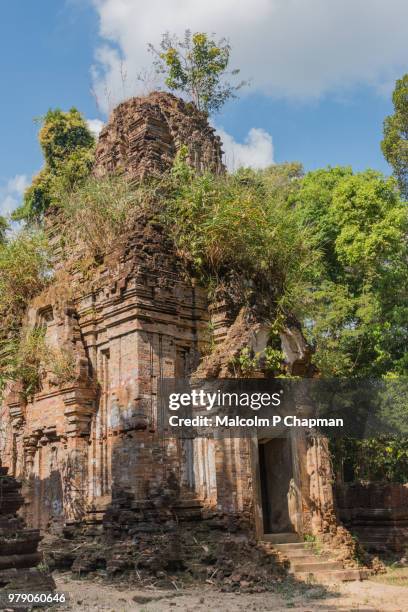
(144, 135)
(85, 446)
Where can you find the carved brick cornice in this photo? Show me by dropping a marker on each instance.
(80, 406)
(17, 415)
(16, 406)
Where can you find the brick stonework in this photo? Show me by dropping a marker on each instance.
(144, 134)
(19, 555)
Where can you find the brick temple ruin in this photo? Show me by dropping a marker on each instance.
(92, 447)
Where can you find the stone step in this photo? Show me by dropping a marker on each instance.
(305, 561)
(333, 576)
(291, 546)
(315, 566)
(300, 553)
(281, 538)
(310, 558)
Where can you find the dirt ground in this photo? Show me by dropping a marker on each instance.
(386, 593)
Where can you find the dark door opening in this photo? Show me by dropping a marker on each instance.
(276, 473)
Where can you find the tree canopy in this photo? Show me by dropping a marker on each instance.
(198, 67)
(68, 148)
(395, 142)
(357, 314)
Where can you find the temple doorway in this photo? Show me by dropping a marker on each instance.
(277, 484)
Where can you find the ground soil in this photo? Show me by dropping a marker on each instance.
(384, 593)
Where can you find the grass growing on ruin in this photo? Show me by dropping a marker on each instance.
(98, 216)
(232, 230)
(22, 357)
(26, 358)
(242, 226)
(24, 271)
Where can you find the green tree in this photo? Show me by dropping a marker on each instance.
(357, 314)
(68, 148)
(198, 67)
(395, 143)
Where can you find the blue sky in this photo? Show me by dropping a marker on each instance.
(318, 102)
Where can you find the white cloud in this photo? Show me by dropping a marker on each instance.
(18, 184)
(95, 126)
(12, 192)
(255, 152)
(299, 49)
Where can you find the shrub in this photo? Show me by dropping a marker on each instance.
(61, 364)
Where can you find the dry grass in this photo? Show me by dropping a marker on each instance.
(24, 270)
(97, 218)
(395, 576)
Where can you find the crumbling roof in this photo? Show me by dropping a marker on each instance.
(144, 134)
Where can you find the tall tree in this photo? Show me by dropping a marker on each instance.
(395, 143)
(198, 67)
(357, 314)
(68, 148)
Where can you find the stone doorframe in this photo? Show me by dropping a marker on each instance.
(296, 511)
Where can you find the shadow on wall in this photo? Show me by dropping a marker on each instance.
(376, 512)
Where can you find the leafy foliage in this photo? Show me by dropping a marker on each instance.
(247, 363)
(356, 315)
(63, 135)
(384, 458)
(68, 148)
(395, 143)
(198, 67)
